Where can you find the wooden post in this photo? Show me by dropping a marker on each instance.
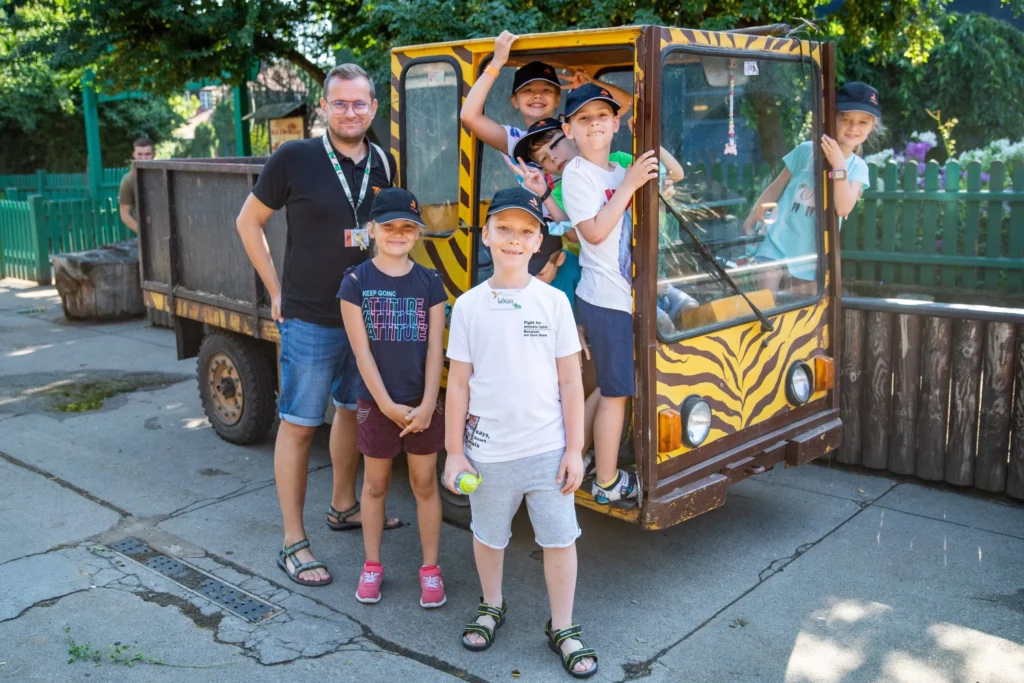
(993, 432)
(851, 386)
(906, 393)
(878, 397)
(931, 426)
(90, 107)
(1015, 474)
(39, 239)
(243, 145)
(963, 414)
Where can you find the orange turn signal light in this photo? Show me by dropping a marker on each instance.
(670, 431)
(824, 373)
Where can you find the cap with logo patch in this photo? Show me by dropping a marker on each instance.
(522, 148)
(588, 93)
(516, 198)
(395, 204)
(857, 96)
(535, 71)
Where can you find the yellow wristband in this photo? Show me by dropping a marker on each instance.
(494, 71)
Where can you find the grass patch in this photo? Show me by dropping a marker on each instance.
(118, 653)
(80, 397)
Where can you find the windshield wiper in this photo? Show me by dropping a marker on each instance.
(707, 255)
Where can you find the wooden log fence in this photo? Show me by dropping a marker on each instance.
(34, 229)
(934, 391)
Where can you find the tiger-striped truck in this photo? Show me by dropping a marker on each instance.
(734, 351)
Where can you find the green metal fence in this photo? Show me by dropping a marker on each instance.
(34, 229)
(918, 230)
(61, 185)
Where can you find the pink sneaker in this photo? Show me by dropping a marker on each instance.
(369, 583)
(432, 586)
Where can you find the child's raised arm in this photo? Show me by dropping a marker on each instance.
(846, 192)
(472, 114)
(770, 194)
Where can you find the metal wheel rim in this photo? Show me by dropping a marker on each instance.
(228, 408)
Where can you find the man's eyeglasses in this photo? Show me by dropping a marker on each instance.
(358, 107)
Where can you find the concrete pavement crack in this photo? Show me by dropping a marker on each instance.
(642, 669)
(245, 490)
(63, 483)
(45, 602)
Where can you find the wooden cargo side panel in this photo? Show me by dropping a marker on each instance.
(154, 249)
(851, 386)
(213, 259)
(1015, 473)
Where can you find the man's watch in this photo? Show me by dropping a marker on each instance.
(837, 174)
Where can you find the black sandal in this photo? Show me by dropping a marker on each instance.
(342, 525)
(485, 610)
(555, 640)
(288, 553)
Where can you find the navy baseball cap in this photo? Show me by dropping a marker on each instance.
(535, 71)
(395, 204)
(857, 96)
(587, 93)
(516, 198)
(522, 148)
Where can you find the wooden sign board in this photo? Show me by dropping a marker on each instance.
(283, 130)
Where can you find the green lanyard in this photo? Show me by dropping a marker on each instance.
(344, 182)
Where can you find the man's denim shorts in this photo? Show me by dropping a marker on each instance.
(316, 362)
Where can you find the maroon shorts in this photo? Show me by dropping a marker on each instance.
(378, 436)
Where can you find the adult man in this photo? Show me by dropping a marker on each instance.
(327, 185)
(142, 150)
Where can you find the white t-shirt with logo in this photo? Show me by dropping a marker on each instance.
(607, 267)
(512, 338)
(512, 136)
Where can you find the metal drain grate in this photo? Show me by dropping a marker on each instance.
(213, 589)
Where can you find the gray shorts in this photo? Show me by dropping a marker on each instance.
(505, 484)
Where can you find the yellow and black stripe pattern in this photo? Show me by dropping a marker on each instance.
(740, 41)
(450, 256)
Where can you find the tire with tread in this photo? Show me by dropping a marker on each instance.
(258, 376)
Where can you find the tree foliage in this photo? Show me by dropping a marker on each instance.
(975, 74)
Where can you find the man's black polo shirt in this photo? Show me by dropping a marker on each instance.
(300, 177)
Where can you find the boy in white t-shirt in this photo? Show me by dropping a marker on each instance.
(598, 195)
(514, 411)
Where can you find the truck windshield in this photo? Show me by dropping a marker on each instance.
(743, 130)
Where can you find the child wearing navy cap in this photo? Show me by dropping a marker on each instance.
(794, 233)
(394, 314)
(514, 415)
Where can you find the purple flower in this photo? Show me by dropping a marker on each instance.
(918, 150)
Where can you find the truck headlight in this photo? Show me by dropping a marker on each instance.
(799, 383)
(696, 417)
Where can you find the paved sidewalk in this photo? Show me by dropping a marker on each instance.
(815, 574)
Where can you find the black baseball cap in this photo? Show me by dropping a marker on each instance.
(522, 148)
(857, 96)
(535, 71)
(516, 198)
(395, 204)
(587, 93)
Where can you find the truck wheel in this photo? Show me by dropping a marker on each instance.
(454, 509)
(237, 385)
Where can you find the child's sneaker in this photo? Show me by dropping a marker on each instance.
(431, 586)
(369, 583)
(623, 488)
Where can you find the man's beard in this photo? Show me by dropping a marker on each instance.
(347, 138)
